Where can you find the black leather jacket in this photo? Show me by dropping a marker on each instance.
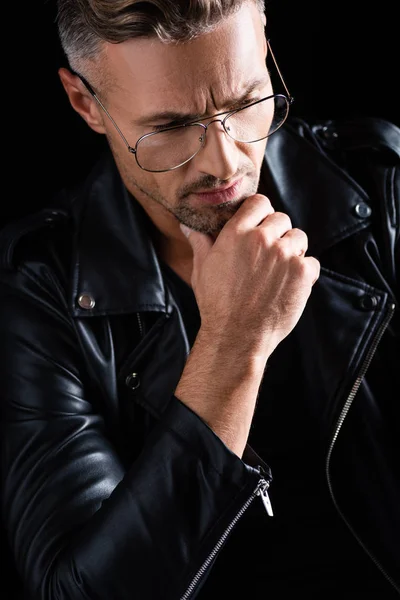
(111, 487)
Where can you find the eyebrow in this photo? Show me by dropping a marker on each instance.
(172, 116)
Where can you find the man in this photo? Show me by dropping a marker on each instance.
(198, 339)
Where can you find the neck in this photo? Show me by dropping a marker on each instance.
(175, 252)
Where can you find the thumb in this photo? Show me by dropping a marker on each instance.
(201, 244)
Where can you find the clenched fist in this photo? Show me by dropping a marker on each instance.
(253, 282)
(251, 285)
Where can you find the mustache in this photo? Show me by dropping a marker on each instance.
(209, 182)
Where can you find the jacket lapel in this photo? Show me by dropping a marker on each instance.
(319, 197)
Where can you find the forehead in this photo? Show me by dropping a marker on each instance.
(196, 73)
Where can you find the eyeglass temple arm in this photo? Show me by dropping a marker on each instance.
(99, 102)
(290, 98)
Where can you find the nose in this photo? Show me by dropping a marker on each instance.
(219, 156)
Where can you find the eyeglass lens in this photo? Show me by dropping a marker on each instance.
(169, 149)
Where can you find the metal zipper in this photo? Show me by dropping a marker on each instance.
(340, 422)
(140, 324)
(261, 490)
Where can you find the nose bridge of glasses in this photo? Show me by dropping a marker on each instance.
(216, 120)
(222, 146)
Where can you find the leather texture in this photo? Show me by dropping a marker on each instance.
(111, 487)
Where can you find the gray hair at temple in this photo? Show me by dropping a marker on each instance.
(84, 25)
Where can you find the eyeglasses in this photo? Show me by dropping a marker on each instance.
(172, 147)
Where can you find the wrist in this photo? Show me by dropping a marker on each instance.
(242, 355)
(220, 382)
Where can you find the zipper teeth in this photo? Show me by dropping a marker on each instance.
(221, 540)
(340, 422)
(140, 324)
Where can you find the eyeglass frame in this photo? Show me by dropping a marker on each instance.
(133, 149)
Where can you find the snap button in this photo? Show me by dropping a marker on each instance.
(362, 210)
(53, 217)
(86, 301)
(328, 133)
(133, 381)
(368, 302)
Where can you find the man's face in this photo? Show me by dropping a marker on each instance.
(195, 80)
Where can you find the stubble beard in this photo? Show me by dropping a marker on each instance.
(208, 219)
(205, 218)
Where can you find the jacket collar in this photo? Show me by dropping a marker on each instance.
(116, 265)
(320, 198)
(115, 262)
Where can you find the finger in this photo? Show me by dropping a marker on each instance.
(314, 267)
(251, 213)
(276, 225)
(297, 241)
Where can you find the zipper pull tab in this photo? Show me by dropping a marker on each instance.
(263, 492)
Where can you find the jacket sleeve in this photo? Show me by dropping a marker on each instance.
(79, 525)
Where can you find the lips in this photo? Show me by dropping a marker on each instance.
(225, 193)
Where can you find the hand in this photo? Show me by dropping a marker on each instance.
(253, 282)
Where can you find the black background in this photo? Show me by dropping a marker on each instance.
(339, 58)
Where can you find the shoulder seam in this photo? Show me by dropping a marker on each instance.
(13, 232)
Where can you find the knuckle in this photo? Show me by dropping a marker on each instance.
(233, 230)
(300, 233)
(264, 238)
(302, 267)
(283, 250)
(261, 199)
(261, 204)
(312, 267)
(285, 219)
(254, 203)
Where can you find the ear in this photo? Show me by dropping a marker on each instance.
(263, 18)
(81, 100)
(265, 47)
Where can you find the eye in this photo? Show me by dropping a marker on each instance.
(168, 125)
(162, 127)
(248, 101)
